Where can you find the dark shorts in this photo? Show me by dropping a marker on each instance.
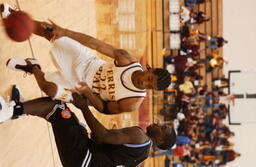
(70, 136)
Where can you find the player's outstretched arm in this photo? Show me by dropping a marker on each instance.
(110, 107)
(94, 99)
(126, 105)
(93, 43)
(131, 135)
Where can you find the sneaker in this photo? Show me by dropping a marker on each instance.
(15, 94)
(6, 10)
(17, 63)
(6, 109)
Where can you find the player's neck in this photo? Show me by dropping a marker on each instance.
(135, 76)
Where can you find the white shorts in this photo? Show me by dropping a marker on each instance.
(75, 63)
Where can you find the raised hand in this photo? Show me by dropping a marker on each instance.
(56, 30)
(79, 101)
(83, 89)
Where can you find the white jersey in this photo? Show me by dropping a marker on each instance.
(77, 63)
(113, 82)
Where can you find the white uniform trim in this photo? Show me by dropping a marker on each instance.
(62, 106)
(114, 83)
(138, 145)
(87, 159)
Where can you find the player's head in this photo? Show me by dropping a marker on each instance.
(158, 79)
(163, 136)
(163, 78)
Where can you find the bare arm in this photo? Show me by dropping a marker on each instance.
(126, 105)
(114, 107)
(121, 56)
(131, 135)
(92, 43)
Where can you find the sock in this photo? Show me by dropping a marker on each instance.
(15, 96)
(18, 110)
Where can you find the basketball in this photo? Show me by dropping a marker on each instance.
(19, 26)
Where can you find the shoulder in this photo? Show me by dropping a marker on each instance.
(133, 129)
(123, 57)
(138, 136)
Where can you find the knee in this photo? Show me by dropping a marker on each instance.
(50, 89)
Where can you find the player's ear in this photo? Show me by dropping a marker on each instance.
(159, 140)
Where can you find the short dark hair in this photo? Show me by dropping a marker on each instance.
(163, 78)
(170, 140)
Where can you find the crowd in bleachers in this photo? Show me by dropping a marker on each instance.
(198, 110)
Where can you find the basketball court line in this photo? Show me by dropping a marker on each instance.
(47, 124)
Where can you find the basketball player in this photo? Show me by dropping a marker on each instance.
(111, 87)
(126, 147)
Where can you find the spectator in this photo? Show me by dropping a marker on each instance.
(187, 87)
(198, 18)
(182, 64)
(214, 61)
(191, 3)
(184, 14)
(216, 42)
(227, 156)
(220, 82)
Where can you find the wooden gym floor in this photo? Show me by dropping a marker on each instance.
(28, 141)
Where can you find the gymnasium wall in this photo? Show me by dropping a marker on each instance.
(239, 25)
